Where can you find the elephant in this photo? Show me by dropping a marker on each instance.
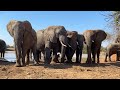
(75, 40)
(93, 40)
(2, 48)
(47, 42)
(25, 39)
(111, 49)
(72, 40)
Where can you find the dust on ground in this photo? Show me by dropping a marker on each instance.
(105, 70)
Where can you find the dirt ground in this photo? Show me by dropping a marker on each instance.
(105, 70)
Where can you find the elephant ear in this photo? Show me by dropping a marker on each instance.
(50, 34)
(10, 27)
(100, 35)
(60, 30)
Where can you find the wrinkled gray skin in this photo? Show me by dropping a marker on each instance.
(93, 39)
(76, 41)
(24, 39)
(2, 48)
(72, 41)
(111, 49)
(47, 40)
(40, 44)
(81, 41)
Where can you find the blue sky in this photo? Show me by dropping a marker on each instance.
(71, 20)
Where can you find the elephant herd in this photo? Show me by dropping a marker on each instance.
(51, 41)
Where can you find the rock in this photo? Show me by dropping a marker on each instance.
(4, 69)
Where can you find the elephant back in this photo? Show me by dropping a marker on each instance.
(27, 26)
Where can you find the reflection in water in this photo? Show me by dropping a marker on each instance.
(10, 56)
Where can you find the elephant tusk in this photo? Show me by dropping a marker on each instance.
(70, 46)
(63, 44)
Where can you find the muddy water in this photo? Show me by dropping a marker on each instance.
(10, 56)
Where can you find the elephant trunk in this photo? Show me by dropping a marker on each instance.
(63, 40)
(64, 44)
(18, 39)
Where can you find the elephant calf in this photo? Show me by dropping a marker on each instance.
(111, 49)
(2, 48)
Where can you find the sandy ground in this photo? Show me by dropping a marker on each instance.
(105, 70)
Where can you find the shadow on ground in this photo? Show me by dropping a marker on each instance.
(64, 65)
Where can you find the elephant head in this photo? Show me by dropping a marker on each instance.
(72, 39)
(93, 39)
(53, 33)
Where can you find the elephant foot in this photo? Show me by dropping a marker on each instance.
(62, 60)
(17, 65)
(77, 62)
(36, 63)
(93, 62)
(88, 62)
(46, 63)
(68, 61)
(56, 60)
(105, 61)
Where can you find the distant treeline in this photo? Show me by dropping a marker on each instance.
(8, 46)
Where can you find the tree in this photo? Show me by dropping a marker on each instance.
(113, 19)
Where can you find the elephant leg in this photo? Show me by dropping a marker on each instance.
(27, 58)
(89, 55)
(47, 55)
(63, 49)
(106, 57)
(69, 54)
(109, 58)
(77, 55)
(94, 52)
(80, 56)
(47, 52)
(3, 54)
(55, 58)
(93, 56)
(35, 56)
(24, 52)
(98, 55)
(18, 56)
(38, 54)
